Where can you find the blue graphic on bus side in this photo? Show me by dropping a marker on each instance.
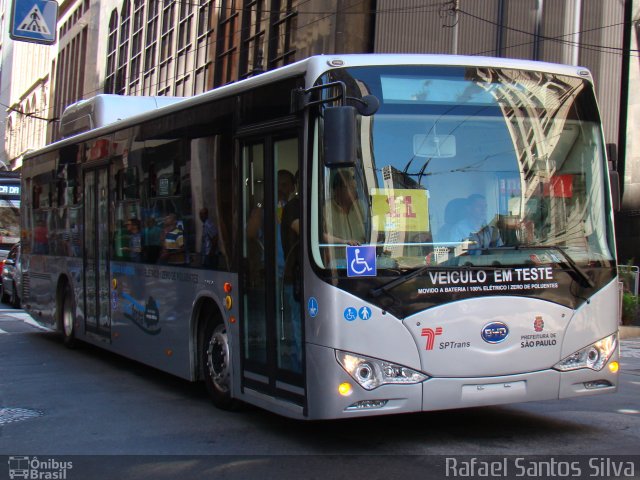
(145, 317)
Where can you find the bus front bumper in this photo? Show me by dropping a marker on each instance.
(440, 393)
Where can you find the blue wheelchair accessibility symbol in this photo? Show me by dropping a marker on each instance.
(361, 261)
(350, 314)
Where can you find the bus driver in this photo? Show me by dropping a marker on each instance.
(344, 219)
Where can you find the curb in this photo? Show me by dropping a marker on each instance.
(629, 331)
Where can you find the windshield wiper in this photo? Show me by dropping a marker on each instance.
(376, 292)
(568, 263)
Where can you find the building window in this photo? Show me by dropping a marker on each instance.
(167, 48)
(281, 46)
(123, 48)
(112, 53)
(184, 58)
(227, 43)
(255, 23)
(69, 71)
(151, 49)
(204, 42)
(136, 46)
(11, 137)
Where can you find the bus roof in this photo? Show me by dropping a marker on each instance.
(104, 109)
(311, 67)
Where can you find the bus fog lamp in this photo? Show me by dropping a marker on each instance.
(370, 373)
(367, 404)
(594, 356)
(597, 384)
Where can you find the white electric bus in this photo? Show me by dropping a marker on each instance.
(345, 236)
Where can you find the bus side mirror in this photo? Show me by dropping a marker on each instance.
(614, 181)
(614, 176)
(339, 138)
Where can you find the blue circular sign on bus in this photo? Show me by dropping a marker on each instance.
(495, 332)
(312, 307)
(364, 313)
(350, 314)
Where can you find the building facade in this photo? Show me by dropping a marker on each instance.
(178, 48)
(25, 94)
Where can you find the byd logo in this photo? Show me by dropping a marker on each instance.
(495, 332)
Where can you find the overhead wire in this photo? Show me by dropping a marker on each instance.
(26, 114)
(559, 39)
(420, 8)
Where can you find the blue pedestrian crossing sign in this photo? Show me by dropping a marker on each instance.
(34, 21)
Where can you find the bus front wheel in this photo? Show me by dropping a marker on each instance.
(216, 358)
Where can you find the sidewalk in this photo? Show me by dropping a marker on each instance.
(627, 331)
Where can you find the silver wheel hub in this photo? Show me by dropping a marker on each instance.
(218, 358)
(67, 320)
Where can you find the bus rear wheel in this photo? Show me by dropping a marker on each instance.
(67, 319)
(216, 363)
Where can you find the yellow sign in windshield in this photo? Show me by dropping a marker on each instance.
(400, 209)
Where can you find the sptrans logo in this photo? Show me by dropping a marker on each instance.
(431, 336)
(38, 469)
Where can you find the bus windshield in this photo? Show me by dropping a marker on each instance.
(465, 166)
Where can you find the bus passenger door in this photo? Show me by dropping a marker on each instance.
(96, 256)
(271, 328)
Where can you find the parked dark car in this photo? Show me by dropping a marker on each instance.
(11, 277)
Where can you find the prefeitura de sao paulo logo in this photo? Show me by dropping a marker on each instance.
(538, 324)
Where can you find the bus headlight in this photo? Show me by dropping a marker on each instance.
(370, 372)
(594, 356)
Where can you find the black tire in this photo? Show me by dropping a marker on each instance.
(15, 299)
(215, 357)
(67, 318)
(4, 298)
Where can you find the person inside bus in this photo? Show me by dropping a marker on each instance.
(344, 219)
(286, 188)
(152, 240)
(41, 237)
(209, 241)
(474, 228)
(286, 193)
(134, 250)
(454, 212)
(290, 236)
(172, 242)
